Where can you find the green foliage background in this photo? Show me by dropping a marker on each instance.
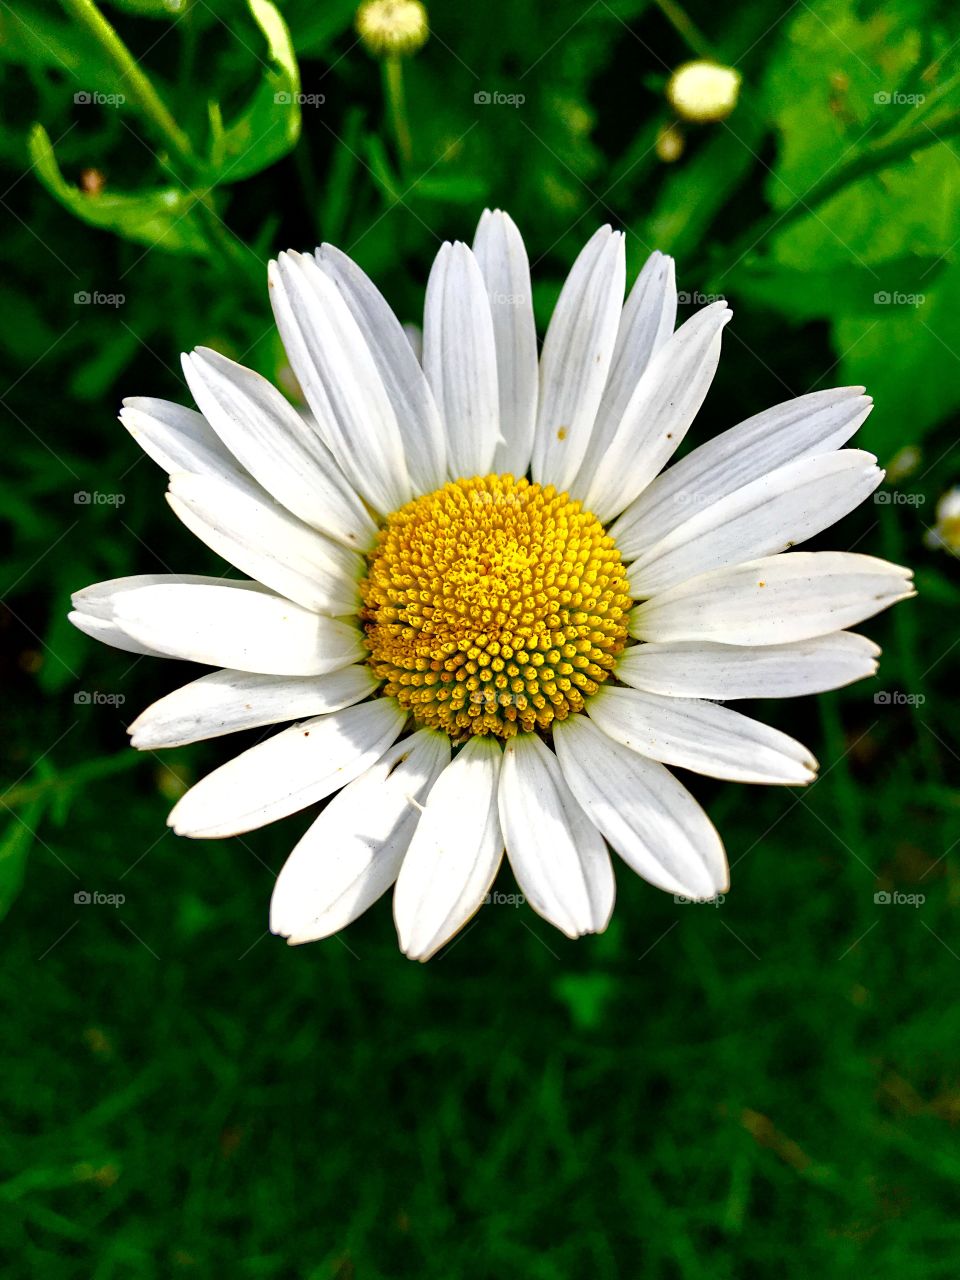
(770, 1087)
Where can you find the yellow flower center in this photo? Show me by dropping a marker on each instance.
(493, 605)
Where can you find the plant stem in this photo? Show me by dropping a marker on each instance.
(139, 87)
(686, 28)
(393, 90)
(879, 155)
(26, 792)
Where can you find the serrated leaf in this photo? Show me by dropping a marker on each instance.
(164, 217)
(270, 125)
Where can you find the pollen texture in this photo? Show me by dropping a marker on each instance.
(493, 605)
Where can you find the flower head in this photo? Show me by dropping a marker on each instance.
(392, 28)
(703, 91)
(487, 618)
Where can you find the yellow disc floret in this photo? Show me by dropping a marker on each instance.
(493, 605)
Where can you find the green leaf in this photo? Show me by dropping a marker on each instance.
(270, 125)
(164, 217)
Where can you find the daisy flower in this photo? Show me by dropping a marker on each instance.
(493, 616)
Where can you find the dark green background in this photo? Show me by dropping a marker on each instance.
(766, 1088)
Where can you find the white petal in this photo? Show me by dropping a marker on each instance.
(500, 251)
(339, 378)
(352, 853)
(108, 633)
(774, 600)
(771, 514)
(241, 523)
(414, 335)
(658, 415)
(558, 856)
(648, 320)
(277, 447)
(699, 669)
(294, 769)
(815, 423)
(648, 817)
(576, 357)
(701, 736)
(237, 625)
(455, 852)
(460, 360)
(407, 389)
(229, 701)
(177, 438)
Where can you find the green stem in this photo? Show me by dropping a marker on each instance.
(686, 28)
(879, 155)
(27, 792)
(137, 84)
(393, 90)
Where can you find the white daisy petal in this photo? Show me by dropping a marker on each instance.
(648, 817)
(460, 360)
(237, 625)
(177, 438)
(774, 600)
(246, 527)
(277, 446)
(339, 377)
(414, 335)
(502, 257)
(294, 769)
(109, 633)
(455, 852)
(648, 320)
(699, 669)
(352, 853)
(658, 414)
(701, 736)
(576, 357)
(230, 701)
(767, 515)
(558, 856)
(815, 423)
(403, 379)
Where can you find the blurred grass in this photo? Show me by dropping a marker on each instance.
(769, 1085)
